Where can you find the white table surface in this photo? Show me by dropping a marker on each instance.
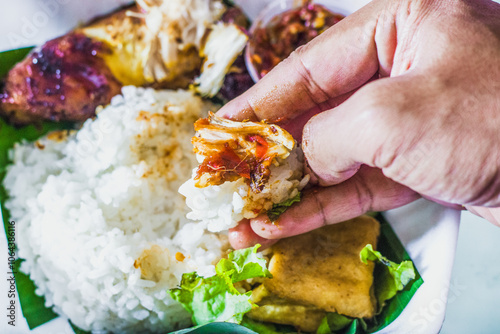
(474, 297)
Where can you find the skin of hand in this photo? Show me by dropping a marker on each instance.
(428, 125)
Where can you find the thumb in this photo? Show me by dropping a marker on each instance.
(366, 129)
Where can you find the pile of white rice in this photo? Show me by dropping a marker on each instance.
(221, 207)
(102, 228)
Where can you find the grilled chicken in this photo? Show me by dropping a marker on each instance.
(65, 79)
(163, 44)
(136, 52)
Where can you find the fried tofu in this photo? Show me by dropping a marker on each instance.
(304, 318)
(322, 268)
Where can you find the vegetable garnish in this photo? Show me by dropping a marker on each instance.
(278, 209)
(394, 276)
(216, 298)
(399, 280)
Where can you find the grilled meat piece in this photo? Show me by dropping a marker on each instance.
(63, 80)
(158, 43)
(136, 56)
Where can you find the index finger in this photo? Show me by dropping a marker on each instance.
(335, 63)
(368, 190)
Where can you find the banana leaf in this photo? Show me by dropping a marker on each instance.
(33, 306)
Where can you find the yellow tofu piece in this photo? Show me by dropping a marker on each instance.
(322, 268)
(282, 311)
(304, 318)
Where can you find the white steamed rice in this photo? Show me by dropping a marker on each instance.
(91, 205)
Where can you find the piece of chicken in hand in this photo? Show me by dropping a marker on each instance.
(246, 169)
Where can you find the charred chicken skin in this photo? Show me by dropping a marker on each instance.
(65, 79)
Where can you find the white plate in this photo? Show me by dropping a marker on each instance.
(428, 231)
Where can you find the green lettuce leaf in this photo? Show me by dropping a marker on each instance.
(215, 298)
(393, 279)
(211, 299)
(390, 246)
(243, 264)
(278, 209)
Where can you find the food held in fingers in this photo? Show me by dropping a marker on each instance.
(246, 169)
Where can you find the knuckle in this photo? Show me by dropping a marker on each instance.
(364, 196)
(297, 61)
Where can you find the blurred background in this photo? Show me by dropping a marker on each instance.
(474, 297)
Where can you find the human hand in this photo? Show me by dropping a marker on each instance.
(428, 127)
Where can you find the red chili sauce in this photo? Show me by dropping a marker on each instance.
(226, 165)
(286, 32)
